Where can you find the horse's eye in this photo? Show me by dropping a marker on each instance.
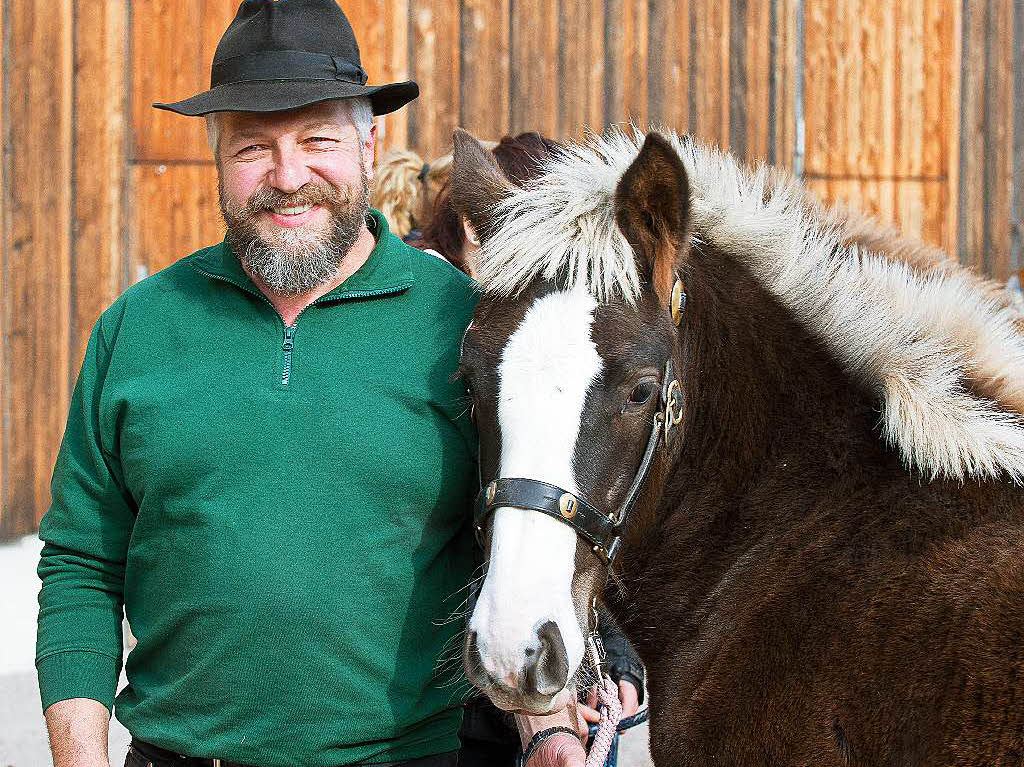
(642, 393)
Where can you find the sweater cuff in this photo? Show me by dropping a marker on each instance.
(78, 674)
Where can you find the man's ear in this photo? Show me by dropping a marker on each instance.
(477, 183)
(368, 149)
(652, 208)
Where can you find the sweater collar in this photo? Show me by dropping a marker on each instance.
(385, 271)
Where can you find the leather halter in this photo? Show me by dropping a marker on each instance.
(603, 531)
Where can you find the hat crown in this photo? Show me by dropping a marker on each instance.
(315, 26)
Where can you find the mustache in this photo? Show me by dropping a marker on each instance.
(309, 194)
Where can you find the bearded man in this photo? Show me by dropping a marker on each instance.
(281, 504)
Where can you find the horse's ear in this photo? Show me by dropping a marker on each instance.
(652, 208)
(477, 183)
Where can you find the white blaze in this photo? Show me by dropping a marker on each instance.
(546, 369)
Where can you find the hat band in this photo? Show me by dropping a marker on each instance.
(285, 65)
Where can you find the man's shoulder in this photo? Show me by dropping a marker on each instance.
(439, 272)
(152, 294)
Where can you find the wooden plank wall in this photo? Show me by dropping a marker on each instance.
(910, 109)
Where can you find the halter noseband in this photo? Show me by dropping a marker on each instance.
(602, 531)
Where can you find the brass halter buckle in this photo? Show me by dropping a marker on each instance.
(673, 407)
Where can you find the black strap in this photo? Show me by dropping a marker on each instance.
(543, 735)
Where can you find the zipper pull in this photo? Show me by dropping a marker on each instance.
(289, 333)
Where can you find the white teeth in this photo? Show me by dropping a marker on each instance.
(291, 211)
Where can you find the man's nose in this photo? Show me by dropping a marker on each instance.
(290, 172)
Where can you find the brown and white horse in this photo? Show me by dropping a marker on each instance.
(825, 565)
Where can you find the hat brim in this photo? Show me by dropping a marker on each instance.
(278, 95)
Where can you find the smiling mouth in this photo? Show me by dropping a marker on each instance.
(295, 211)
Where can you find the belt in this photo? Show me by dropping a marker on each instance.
(161, 757)
(155, 756)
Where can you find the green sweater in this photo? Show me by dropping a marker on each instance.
(283, 512)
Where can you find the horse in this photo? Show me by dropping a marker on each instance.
(797, 462)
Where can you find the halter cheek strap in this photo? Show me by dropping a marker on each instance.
(603, 531)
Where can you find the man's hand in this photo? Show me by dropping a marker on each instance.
(628, 697)
(561, 749)
(78, 732)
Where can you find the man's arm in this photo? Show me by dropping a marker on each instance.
(78, 733)
(86, 532)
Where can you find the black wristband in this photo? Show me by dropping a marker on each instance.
(543, 735)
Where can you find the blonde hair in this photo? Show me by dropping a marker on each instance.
(405, 187)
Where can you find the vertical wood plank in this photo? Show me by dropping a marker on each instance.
(1017, 96)
(711, 76)
(760, 111)
(626, 62)
(382, 30)
(971, 224)
(37, 247)
(484, 84)
(435, 38)
(999, 138)
(394, 128)
(534, 89)
(174, 213)
(6, 530)
(668, 62)
(101, 124)
(581, 65)
(169, 64)
(788, 68)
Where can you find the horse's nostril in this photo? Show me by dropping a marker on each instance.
(548, 671)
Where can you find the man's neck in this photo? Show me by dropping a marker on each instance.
(291, 306)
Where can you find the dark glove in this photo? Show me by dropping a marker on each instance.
(621, 659)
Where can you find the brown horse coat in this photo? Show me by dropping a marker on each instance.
(828, 567)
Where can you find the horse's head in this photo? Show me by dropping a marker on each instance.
(569, 364)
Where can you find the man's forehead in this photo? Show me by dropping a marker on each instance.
(320, 114)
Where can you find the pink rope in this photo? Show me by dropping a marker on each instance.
(608, 695)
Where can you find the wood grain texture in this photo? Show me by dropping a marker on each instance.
(757, 97)
(999, 139)
(174, 213)
(710, 79)
(788, 68)
(171, 58)
(484, 74)
(971, 220)
(100, 133)
(668, 61)
(8, 527)
(382, 30)
(534, 90)
(581, 67)
(37, 251)
(435, 38)
(626, 62)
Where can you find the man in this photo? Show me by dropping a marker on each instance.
(279, 503)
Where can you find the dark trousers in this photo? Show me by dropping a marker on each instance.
(141, 754)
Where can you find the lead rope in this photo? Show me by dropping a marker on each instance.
(608, 697)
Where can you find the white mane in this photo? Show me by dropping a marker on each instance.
(915, 337)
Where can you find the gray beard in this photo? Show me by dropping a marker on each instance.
(297, 260)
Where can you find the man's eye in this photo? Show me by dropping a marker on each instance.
(251, 148)
(321, 139)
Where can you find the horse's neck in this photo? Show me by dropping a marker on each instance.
(764, 401)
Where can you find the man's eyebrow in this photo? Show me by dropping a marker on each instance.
(254, 133)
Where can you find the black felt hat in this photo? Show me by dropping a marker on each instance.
(283, 54)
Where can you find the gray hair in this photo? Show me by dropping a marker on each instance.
(360, 112)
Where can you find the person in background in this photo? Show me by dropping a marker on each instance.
(415, 196)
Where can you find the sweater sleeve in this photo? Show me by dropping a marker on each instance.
(85, 534)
